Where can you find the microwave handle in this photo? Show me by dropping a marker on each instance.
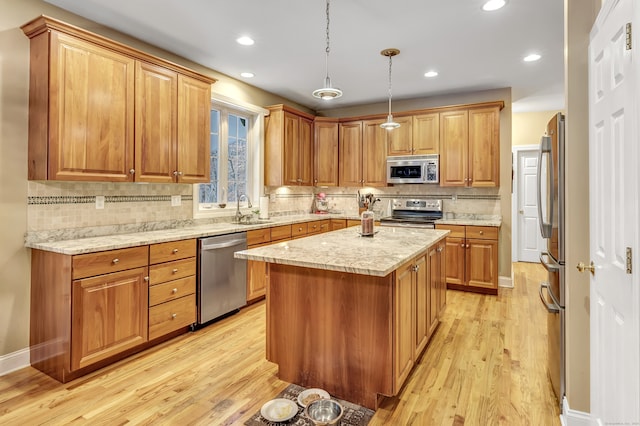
(424, 172)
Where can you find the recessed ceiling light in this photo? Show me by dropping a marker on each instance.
(247, 74)
(532, 57)
(431, 74)
(492, 5)
(245, 41)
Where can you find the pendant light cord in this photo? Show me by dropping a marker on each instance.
(327, 50)
(390, 59)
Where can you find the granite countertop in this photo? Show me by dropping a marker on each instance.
(71, 243)
(345, 250)
(471, 219)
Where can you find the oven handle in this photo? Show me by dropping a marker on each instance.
(554, 307)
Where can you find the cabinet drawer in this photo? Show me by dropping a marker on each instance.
(482, 232)
(258, 236)
(173, 250)
(171, 270)
(299, 230)
(457, 231)
(316, 226)
(105, 262)
(172, 290)
(337, 224)
(280, 232)
(170, 316)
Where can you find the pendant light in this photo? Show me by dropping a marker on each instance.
(327, 92)
(390, 124)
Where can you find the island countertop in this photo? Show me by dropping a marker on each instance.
(345, 250)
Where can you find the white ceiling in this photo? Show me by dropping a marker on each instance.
(471, 49)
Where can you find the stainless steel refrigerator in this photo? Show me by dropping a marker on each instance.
(551, 213)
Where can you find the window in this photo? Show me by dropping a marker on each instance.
(234, 159)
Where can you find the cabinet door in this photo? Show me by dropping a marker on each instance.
(400, 139)
(305, 161)
(350, 142)
(482, 263)
(109, 315)
(426, 134)
(91, 116)
(374, 153)
(422, 298)
(484, 147)
(404, 314)
(257, 277)
(291, 148)
(454, 148)
(454, 260)
(156, 118)
(338, 224)
(433, 283)
(194, 130)
(325, 153)
(442, 277)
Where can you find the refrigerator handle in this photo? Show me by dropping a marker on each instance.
(553, 307)
(548, 263)
(545, 148)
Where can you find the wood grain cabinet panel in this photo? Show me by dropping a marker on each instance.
(288, 147)
(170, 316)
(404, 324)
(325, 152)
(426, 134)
(363, 153)
(172, 270)
(454, 152)
(400, 140)
(103, 111)
(104, 262)
(172, 250)
(471, 261)
(350, 143)
(109, 315)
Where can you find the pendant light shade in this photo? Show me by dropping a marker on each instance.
(390, 124)
(327, 92)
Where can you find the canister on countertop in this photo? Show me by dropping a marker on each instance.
(366, 224)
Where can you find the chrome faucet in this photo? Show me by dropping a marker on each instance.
(239, 197)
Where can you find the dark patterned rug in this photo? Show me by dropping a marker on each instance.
(354, 415)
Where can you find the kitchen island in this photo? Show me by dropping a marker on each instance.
(352, 314)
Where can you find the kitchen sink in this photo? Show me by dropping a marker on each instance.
(252, 222)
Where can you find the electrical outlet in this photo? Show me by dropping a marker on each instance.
(176, 200)
(99, 201)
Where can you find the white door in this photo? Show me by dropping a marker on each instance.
(614, 220)
(530, 242)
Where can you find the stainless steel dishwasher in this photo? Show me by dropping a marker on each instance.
(222, 279)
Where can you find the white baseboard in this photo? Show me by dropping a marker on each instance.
(505, 282)
(14, 361)
(571, 417)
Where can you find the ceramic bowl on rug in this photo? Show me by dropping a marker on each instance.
(323, 412)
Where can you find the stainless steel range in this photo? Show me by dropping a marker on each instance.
(414, 212)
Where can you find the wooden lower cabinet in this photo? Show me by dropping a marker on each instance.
(257, 277)
(404, 324)
(472, 258)
(109, 315)
(337, 224)
(172, 287)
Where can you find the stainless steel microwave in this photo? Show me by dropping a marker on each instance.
(413, 169)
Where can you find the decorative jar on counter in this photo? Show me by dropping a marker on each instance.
(366, 224)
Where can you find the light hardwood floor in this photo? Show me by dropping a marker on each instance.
(485, 365)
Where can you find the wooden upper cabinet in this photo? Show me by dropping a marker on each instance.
(288, 156)
(325, 169)
(156, 123)
(484, 147)
(363, 153)
(194, 130)
(350, 141)
(426, 134)
(374, 153)
(74, 136)
(85, 95)
(470, 147)
(400, 140)
(454, 156)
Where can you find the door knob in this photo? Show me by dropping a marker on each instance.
(521, 211)
(590, 267)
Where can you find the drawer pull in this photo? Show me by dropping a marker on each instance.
(115, 261)
(481, 232)
(174, 291)
(173, 316)
(175, 270)
(467, 245)
(175, 251)
(299, 229)
(146, 279)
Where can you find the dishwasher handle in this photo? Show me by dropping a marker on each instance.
(224, 244)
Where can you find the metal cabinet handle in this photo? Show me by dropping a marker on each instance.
(175, 251)
(132, 171)
(115, 261)
(173, 316)
(481, 232)
(467, 245)
(175, 270)
(146, 278)
(439, 249)
(174, 291)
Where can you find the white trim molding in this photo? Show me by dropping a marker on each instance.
(14, 361)
(571, 417)
(506, 281)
